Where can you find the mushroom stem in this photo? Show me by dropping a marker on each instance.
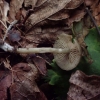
(42, 50)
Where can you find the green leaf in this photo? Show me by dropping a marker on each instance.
(60, 79)
(53, 77)
(92, 41)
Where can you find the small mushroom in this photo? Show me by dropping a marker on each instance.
(67, 61)
(67, 51)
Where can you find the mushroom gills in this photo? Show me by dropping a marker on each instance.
(71, 59)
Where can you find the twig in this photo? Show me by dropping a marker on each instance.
(9, 28)
(92, 19)
(3, 24)
(6, 47)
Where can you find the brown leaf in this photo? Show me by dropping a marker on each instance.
(47, 9)
(76, 16)
(41, 96)
(63, 14)
(28, 3)
(91, 3)
(4, 7)
(96, 13)
(5, 82)
(40, 64)
(74, 4)
(24, 86)
(40, 2)
(83, 87)
(15, 6)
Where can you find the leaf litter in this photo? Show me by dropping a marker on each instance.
(39, 23)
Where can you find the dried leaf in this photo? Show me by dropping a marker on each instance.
(15, 6)
(83, 87)
(4, 8)
(76, 16)
(63, 14)
(96, 14)
(49, 8)
(24, 86)
(40, 2)
(40, 64)
(74, 4)
(91, 3)
(5, 82)
(28, 3)
(41, 96)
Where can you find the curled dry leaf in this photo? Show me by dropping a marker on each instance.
(91, 3)
(40, 64)
(4, 8)
(76, 16)
(40, 2)
(74, 4)
(47, 9)
(28, 3)
(5, 83)
(96, 14)
(63, 14)
(24, 86)
(15, 6)
(83, 87)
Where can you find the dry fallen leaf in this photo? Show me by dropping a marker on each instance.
(47, 9)
(24, 86)
(5, 83)
(74, 4)
(40, 2)
(40, 64)
(76, 16)
(63, 14)
(31, 3)
(96, 13)
(15, 6)
(84, 87)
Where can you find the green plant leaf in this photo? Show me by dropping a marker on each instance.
(53, 77)
(92, 41)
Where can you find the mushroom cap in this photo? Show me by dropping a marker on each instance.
(67, 61)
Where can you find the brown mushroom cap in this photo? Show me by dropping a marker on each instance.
(67, 61)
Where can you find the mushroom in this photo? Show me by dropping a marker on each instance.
(67, 52)
(67, 61)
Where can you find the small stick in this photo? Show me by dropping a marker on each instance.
(7, 47)
(9, 28)
(3, 24)
(92, 19)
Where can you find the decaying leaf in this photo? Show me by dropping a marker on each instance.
(40, 64)
(83, 87)
(91, 3)
(96, 14)
(76, 16)
(15, 7)
(4, 8)
(24, 86)
(28, 3)
(63, 14)
(49, 8)
(74, 4)
(40, 2)
(5, 83)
